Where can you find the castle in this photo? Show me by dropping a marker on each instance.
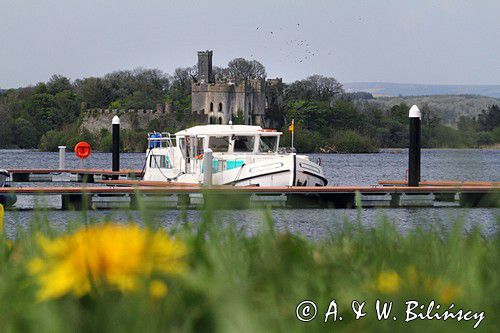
(247, 101)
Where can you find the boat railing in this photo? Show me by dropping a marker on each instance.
(161, 140)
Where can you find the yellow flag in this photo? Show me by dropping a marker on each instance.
(291, 128)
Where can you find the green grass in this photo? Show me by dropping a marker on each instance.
(238, 282)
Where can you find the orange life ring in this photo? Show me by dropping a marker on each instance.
(199, 157)
(82, 150)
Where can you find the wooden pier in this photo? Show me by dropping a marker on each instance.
(125, 189)
(77, 197)
(74, 175)
(439, 183)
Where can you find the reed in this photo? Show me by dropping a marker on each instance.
(235, 281)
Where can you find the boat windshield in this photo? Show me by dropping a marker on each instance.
(160, 161)
(218, 144)
(268, 144)
(243, 144)
(182, 145)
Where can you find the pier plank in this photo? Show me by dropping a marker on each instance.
(78, 171)
(52, 190)
(439, 183)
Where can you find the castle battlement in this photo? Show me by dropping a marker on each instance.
(222, 101)
(160, 109)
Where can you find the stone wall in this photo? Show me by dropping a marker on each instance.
(249, 99)
(93, 120)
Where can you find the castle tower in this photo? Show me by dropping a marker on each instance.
(205, 74)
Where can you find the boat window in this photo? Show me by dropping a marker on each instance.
(267, 144)
(160, 161)
(199, 146)
(182, 145)
(243, 143)
(218, 144)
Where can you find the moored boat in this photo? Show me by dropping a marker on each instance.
(243, 155)
(6, 199)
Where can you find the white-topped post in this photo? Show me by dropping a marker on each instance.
(415, 146)
(62, 157)
(116, 145)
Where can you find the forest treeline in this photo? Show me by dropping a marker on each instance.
(327, 119)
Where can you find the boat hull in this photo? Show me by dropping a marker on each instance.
(285, 170)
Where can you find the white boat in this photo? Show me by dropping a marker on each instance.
(242, 155)
(4, 174)
(8, 199)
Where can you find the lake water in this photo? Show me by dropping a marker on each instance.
(340, 169)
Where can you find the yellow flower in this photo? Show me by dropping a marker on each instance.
(2, 213)
(388, 282)
(157, 289)
(448, 293)
(105, 255)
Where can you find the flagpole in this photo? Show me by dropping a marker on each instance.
(293, 131)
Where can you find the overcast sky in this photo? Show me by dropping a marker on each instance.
(441, 42)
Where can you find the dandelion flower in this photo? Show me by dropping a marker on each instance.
(104, 256)
(388, 282)
(157, 289)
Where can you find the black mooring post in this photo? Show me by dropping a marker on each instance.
(116, 145)
(414, 150)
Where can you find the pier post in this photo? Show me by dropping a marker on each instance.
(207, 167)
(116, 145)
(415, 145)
(76, 201)
(62, 157)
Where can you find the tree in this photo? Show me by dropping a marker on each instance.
(466, 124)
(182, 78)
(23, 134)
(57, 84)
(240, 69)
(139, 88)
(315, 87)
(95, 91)
(67, 104)
(6, 128)
(489, 118)
(485, 139)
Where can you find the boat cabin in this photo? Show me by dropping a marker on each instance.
(232, 144)
(229, 139)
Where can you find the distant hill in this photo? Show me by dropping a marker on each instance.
(449, 107)
(411, 89)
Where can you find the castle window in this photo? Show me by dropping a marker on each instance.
(220, 120)
(220, 107)
(250, 106)
(211, 120)
(267, 102)
(211, 107)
